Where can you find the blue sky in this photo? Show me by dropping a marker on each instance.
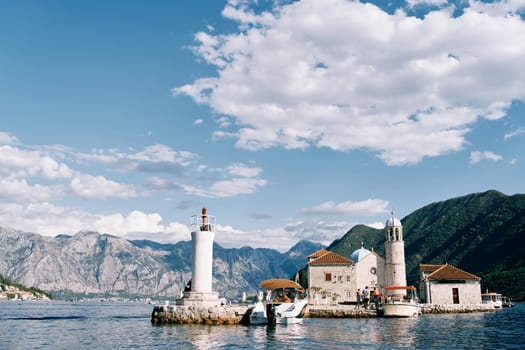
(287, 120)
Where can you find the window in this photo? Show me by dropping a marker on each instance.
(349, 293)
(328, 276)
(347, 278)
(455, 295)
(340, 278)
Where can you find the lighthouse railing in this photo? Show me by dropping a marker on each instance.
(203, 223)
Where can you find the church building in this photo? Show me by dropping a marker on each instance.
(335, 278)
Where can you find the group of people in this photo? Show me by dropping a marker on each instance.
(366, 296)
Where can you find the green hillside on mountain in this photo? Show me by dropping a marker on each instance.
(482, 233)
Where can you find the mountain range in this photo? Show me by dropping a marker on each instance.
(482, 233)
(90, 264)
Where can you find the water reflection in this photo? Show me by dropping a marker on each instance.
(398, 331)
(116, 326)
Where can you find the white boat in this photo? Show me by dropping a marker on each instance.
(492, 298)
(401, 304)
(281, 305)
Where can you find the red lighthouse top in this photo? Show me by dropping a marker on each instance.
(204, 226)
(203, 222)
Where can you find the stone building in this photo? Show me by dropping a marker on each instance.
(332, 277)
(337, 278)
(447, 284)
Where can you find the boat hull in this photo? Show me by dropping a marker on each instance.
(284, 313)
(401, 310)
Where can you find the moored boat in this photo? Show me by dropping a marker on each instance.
(281, 305)
(492, 298)
(401, 302)
(506, 302)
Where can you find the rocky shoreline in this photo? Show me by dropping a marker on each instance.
(239, 314)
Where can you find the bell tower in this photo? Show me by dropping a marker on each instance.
(395, 253)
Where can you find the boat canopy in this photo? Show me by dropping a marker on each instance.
(279, 283)
(400, 287)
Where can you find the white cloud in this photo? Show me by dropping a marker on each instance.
(351, 76)
(477, 156)
(88, 186)
(7, 139)
(49, 220)
(243, 170)
(377, 225)
(369, 207)
(237, 186)
(16, 162)
(414, 3)
(157, 153)
(136, 221)
(19, 191)
(223, 188)
(517, 132)
(282, 238)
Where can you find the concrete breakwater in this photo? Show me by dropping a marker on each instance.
(239, 314)
(176, 314)
(455, 308)
(338, 311)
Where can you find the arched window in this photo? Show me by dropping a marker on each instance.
(391, 234)
(397, 234)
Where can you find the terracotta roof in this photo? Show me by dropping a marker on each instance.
(318, 253)
(449, 272)
(331, 258)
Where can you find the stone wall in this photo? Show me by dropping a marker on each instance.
(339, 311)
(171, 314)
(455, 308)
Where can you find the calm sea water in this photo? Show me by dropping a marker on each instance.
(66, 325)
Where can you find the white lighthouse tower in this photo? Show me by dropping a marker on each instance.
(395, 253)
(202, 236)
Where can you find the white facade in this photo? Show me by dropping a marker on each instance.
(370, 271)
(446, 284)
(395, 253)
(202, 236)
(333, 278)
(201, 278)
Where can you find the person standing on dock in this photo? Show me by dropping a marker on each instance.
(376, 295)
(366, 297)
(358, 298)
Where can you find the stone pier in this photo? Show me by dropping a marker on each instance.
(455, 308)
(195, 314)
(239, 314)
(338, 311)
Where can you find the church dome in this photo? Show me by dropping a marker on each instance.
(359, 254)
(392, 221)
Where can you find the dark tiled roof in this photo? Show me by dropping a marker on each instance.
(449, 272)
(318, 253)
(331, 258)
